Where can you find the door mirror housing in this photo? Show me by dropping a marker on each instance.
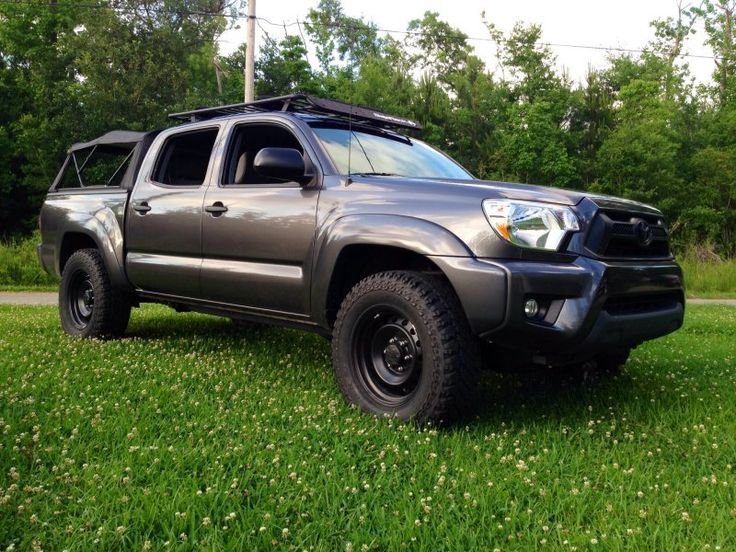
(285, 164)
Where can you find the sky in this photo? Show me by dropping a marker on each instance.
(609, 24)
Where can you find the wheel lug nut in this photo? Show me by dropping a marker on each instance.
(407, 358)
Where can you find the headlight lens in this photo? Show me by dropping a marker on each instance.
(529, 224)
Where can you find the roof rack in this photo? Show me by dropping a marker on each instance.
(303, 103)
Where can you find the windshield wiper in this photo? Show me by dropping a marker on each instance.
(374, 174)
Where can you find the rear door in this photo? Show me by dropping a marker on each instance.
(258, 233)
(164, 215)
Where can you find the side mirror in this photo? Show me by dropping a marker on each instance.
(285, 164)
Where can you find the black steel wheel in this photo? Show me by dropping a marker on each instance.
(81, 299)
(89, 306)
(402, 346)
(387, 354)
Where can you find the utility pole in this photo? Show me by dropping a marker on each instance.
(250, 52)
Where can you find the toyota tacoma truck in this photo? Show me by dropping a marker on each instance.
(315, 214)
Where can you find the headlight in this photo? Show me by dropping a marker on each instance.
(529, 224)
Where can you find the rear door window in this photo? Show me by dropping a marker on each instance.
(184, 158)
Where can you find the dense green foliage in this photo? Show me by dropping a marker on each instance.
(189, 433)
(638, 127)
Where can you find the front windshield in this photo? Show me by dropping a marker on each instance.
(386, 155)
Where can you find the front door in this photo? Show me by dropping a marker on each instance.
(164, 215)
(258, 233)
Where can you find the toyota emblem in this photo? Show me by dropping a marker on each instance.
(643, 232)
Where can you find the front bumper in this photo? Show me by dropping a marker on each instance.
(587, 305)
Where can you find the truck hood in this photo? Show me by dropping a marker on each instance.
(509, 190)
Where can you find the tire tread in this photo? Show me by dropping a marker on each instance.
(112, 306)
(452, 392)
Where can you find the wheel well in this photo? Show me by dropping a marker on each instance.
(355, 262)
(73, 241)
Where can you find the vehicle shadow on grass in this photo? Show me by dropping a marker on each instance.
(558, 395)
(191, 325)
(214, 332)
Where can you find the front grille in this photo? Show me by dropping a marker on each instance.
(640, 304)
(625, 235)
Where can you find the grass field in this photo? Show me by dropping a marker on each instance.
(714, 279)
(191, 435)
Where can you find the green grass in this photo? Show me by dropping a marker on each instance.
(710, 279)
(191, 434)
(20, 269)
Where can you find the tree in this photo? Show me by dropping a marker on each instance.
(39, 104)
(439, 48)
(283, 68)
(142, 61)
(718, 18)
(535, 143)
(72, 71)
(342, 42)
(592, 119)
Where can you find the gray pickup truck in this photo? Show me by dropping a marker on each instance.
(315, 214)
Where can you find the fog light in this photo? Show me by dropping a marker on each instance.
(531, 308)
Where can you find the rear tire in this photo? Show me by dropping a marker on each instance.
(89, 305)
(402, 346)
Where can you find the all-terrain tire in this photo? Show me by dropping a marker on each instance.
(89, 305)
(402, 346)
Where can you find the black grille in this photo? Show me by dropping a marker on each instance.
(625, 235)
(641, 304)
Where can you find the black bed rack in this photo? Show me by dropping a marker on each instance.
(303, 103)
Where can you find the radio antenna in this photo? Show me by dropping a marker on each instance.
(350, 122)
(350, 139)
(350, 131)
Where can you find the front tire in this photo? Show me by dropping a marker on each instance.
(402, 346)
(89, 306)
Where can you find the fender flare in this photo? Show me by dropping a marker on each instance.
(103, 229)
(401, 231)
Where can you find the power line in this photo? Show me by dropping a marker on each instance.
(480, 39)
(335, 25)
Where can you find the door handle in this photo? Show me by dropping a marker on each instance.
(141, 207)
(217, 208)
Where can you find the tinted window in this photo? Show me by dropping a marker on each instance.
(184, 158)
(385, 153)
(247, 141)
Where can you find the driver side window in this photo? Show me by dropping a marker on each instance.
(246, 142)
